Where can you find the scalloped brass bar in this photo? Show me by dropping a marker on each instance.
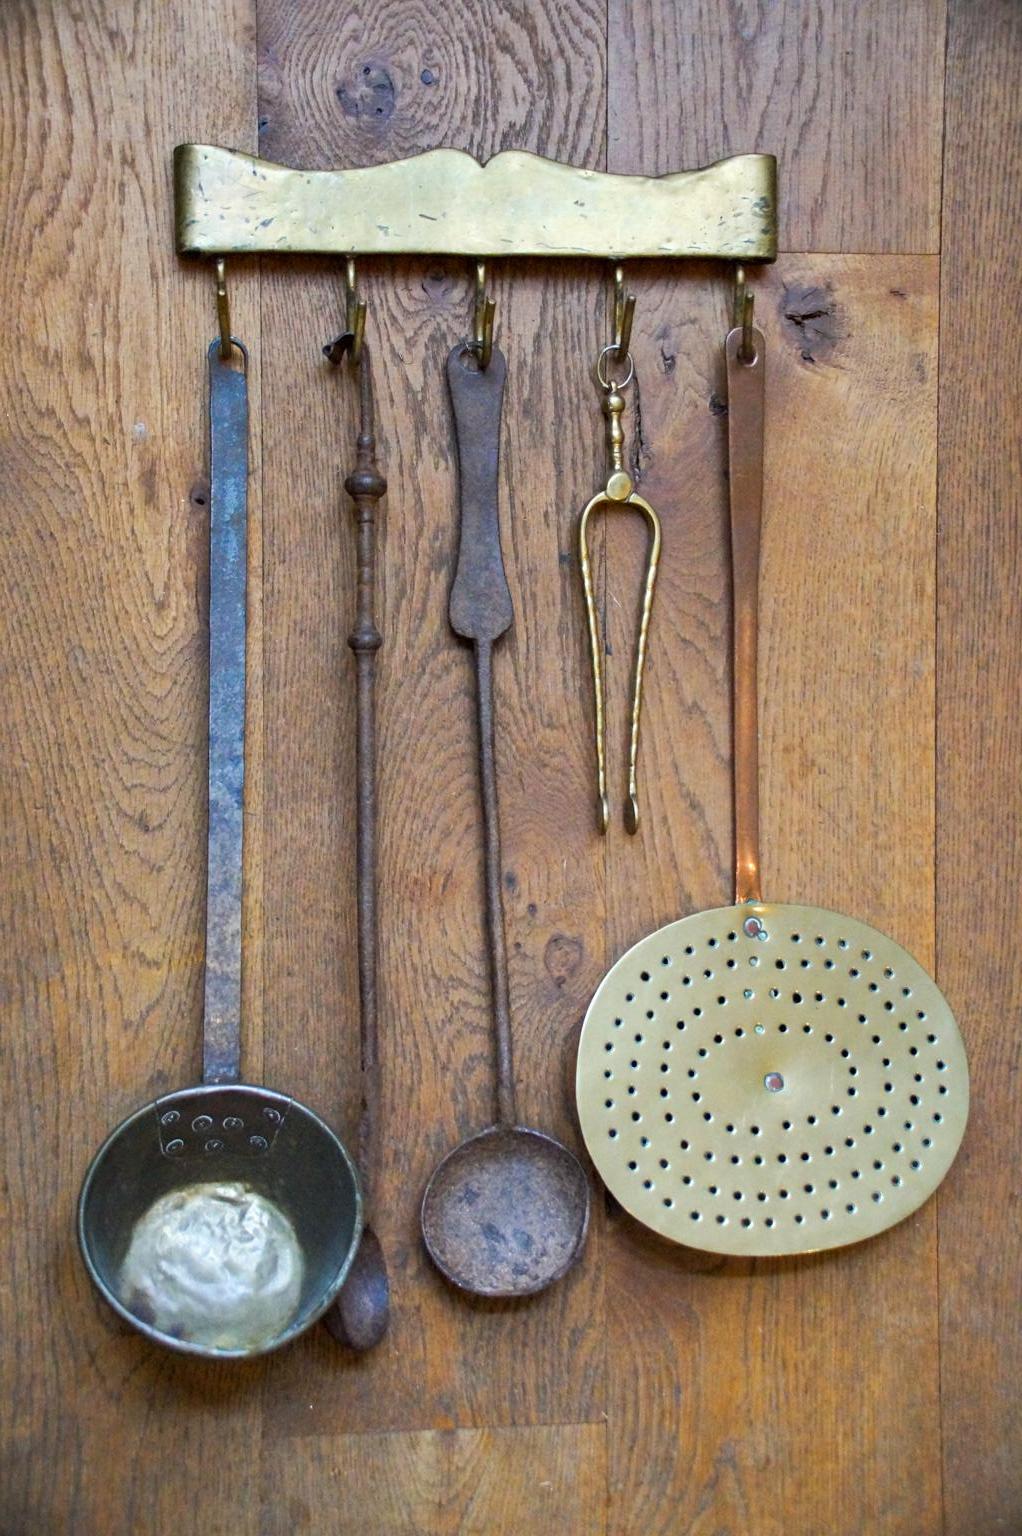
(445, 203)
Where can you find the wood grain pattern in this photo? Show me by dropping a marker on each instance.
(874, 1389)
(847, 94)
(105, 686)
(979, 854)
(381, 82)
(469, 1482)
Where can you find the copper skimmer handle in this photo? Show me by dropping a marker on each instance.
(745, 393)
(617, 494)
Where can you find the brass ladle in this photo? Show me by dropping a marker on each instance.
(506, 1212)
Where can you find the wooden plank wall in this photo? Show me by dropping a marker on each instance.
(870, 1390)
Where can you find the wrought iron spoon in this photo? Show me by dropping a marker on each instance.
(361, 1314)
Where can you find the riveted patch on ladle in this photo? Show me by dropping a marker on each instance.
(240, 1124)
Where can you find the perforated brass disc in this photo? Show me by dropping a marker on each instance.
(769, 1079)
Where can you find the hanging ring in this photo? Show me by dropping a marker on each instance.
(624, 314)
(742, 315)
(482, 327)
(223, 309)
(601, 372)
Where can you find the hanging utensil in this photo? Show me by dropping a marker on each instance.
(360, 1316)
(505, 1213)
(767, 1079)
(221, 1220)
(614, 370)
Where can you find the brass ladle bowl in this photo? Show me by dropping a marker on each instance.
(245, 1138)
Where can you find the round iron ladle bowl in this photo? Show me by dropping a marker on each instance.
(506, 1212)
(264, 1207)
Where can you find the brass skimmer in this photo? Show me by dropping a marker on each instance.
(618, 493)
(767, 1079)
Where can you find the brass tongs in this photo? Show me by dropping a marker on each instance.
(617, 495)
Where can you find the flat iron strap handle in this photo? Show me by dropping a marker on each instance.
(480, 602)
(228, 557)
(480, 611)
(745, 385)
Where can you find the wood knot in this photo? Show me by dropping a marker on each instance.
(816, 319)
(369, 94)
(562, 957)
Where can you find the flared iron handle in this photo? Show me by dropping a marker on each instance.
(480, 610)
(480, 602)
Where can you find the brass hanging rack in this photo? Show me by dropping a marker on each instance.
(445, 203)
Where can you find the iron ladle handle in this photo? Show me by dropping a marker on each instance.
(480, 610)
(228, 571)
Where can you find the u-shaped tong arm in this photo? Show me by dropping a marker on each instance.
(613, 503)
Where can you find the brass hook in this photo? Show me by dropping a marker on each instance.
(624, 314)
(617, 494)
(742, 315)
(349, 342)
(223, 308)
(354, 311)
(485, 309)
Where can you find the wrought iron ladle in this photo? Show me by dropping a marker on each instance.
(506, 1212)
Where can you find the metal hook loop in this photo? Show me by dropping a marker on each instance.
(482, 326)
(349, 342)
(354, 311)
(742, 313)
(223, 308)
(624, 314)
